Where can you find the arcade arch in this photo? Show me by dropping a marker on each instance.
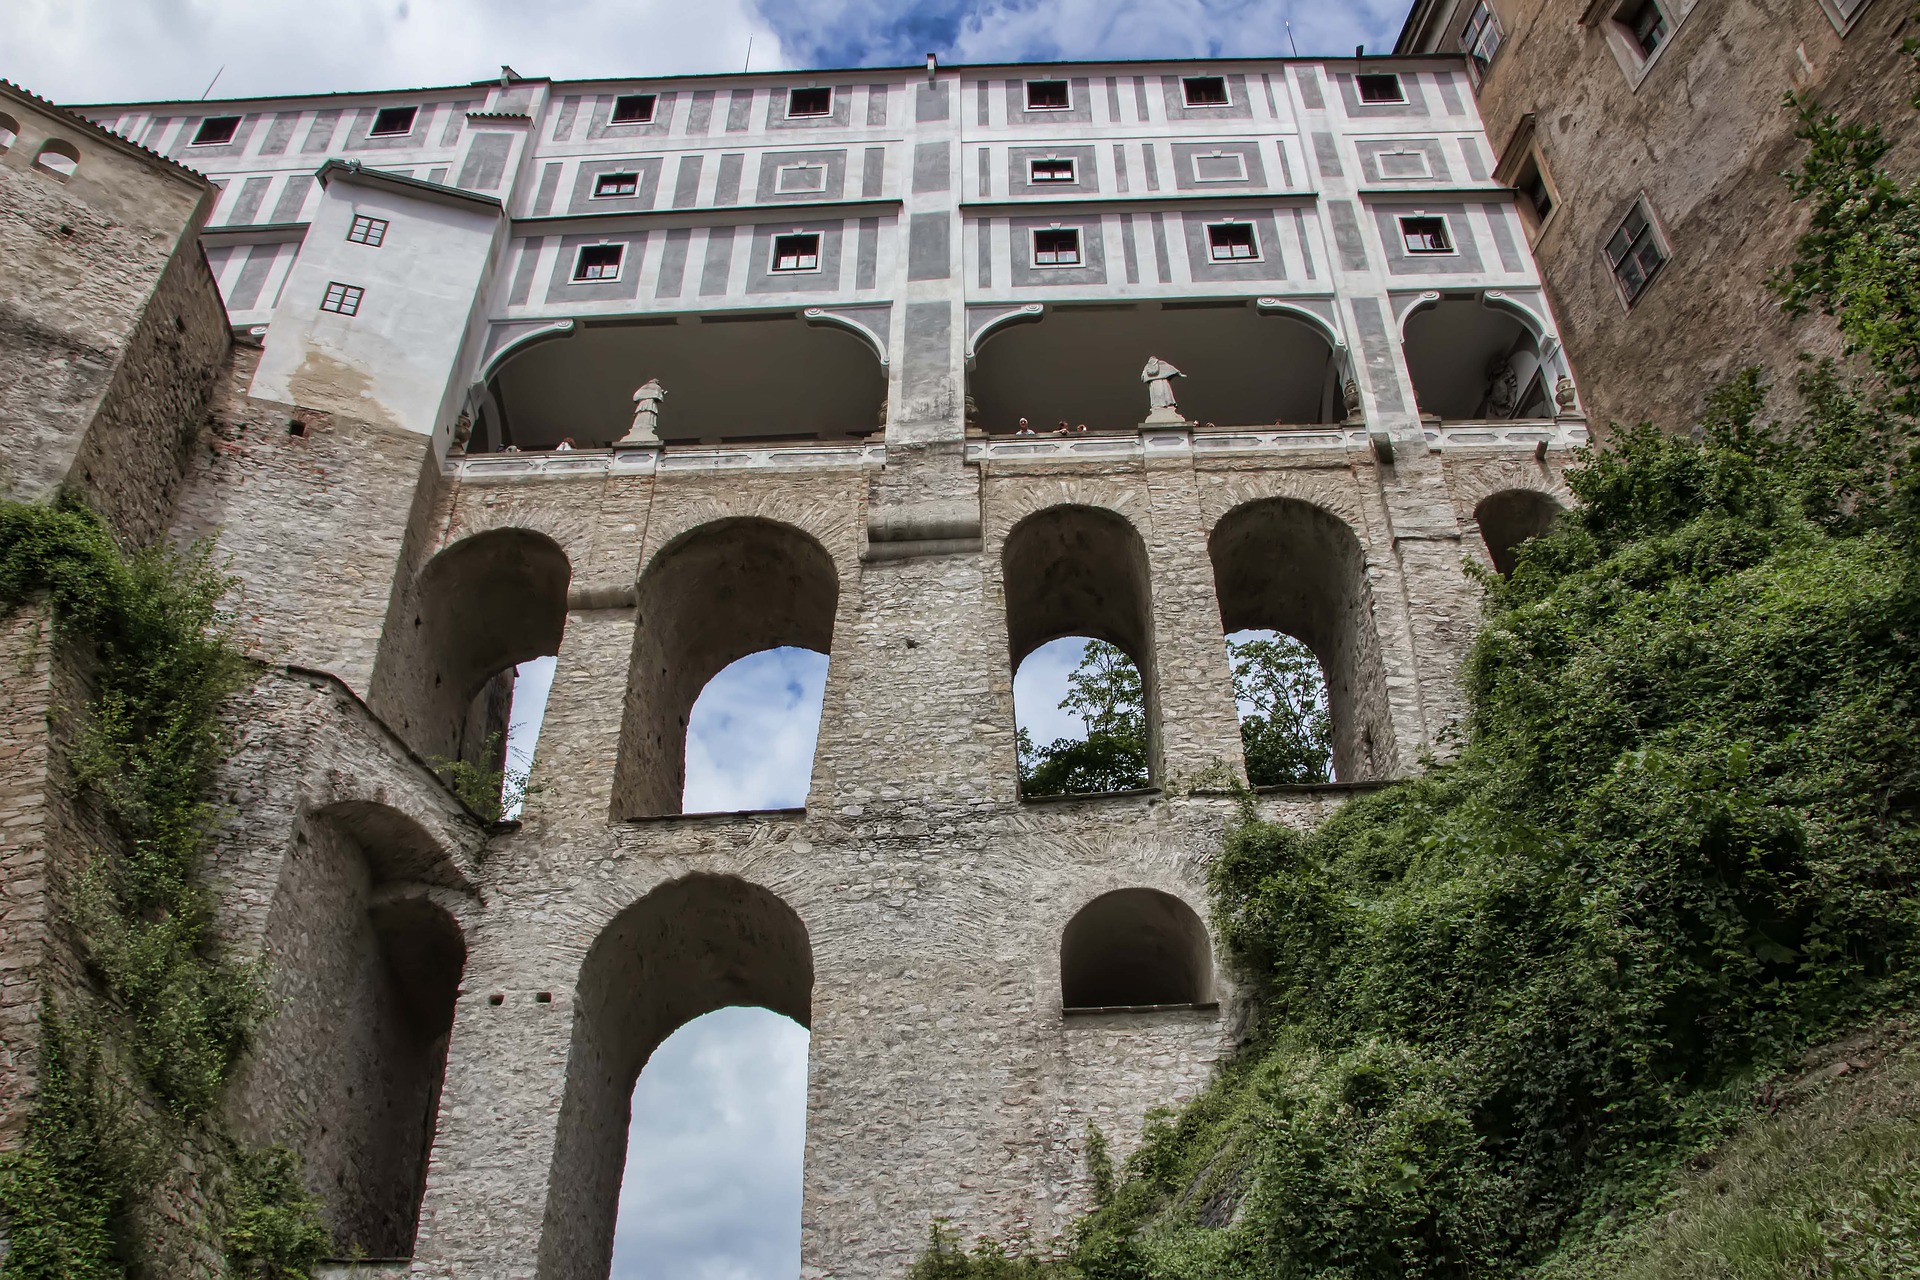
(1509, 517)
(1132, 948)
(1472, 359)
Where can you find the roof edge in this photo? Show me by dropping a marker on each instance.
(99, 131)
(354, 171)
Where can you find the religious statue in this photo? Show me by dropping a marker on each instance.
(646, 415)
(1159, 376)
(462, 432)
(1503, 388)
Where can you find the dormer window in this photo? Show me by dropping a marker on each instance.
(809, 102)
(1049, 95)
(1050, 170)
(1380, 88)
(1425, 234)
(613, 185)
(389, 122)
(215, 131)
(633, 108)
(1056, 247)
(1232, 242)
(798, 251)
(1205, 91)
(598, 263)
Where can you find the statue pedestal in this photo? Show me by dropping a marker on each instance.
(1164, 418)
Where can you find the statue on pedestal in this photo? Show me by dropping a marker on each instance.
(646, 415)
(1159, 376)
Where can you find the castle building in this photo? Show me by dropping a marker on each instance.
(1647, 139)
(652, 375)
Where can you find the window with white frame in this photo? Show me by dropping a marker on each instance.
(1219, 166)
(1843, 12)
(1051, 169)
(809, 102)
(342, 299)
(371, 232)
(1205, 91)
(1481, 38)
(598, 263)
(9, 131)
(1379, 87)
(1392, 165)
(1425, 233)
(390, 121)
(215, 131)
(612, 185)
(800, 179)
(1232, 242)
(1049, 95)
(797, 251)
(1056, 246)
(1636, 252)
(1645, 25)
(1537, 200)
(633, 108)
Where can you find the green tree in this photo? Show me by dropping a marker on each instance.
(1105, 692)
(1288, 733)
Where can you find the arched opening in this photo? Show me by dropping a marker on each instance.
(1473, 361)
(1079, 708)
(365, 964)
(9, 132)
(480, 608)
(1135, 947)
(1511, 516)
(708, 599)
(1081, 364)
(752, 732)
(1077, 571)
(1286, 722)
(58, 157)
(688, 948)
(730, 379)
(1284, 565)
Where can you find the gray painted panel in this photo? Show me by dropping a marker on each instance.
(1450, 94)
(777, 117)
(1272, 266)
(673, 262)
(360, 137)
(877, 104)
(719, 265)
(1371, 149)
(218, 258)
(1151, 165)
(549, 187)
(762, 279)
(242, 133)
(1140, 98)
(1415, 105)
(930, 102)
(1239, 106)
(980, 91)
(1079, 111)
(1464, 260)
(157, 128)
(1286, 169)
(726, 188)
(1120, 167)
(686, 182)
(600, 125)
(1113, 98)
(1129, 228)
(1377, 350)
(1266, 86)
(1093, 253)
(1306, 245)
(563, 122)
(873, 173)
(456, 118)
(1184, 154)
(771, 162)
(1308, 78)
(931, 163)
(523, 271)
(986, 173)
(1475, 158)
(1327, 153)
(1162, 262)
(582, 199)
(561, 289)
(927, 378)
(866, 261)
(293, 198)
(320, 136)
(928, 246)
(253, 277)
(739, 111)
(486, 162)
(437, 174)
(700, 114)
(1346, 235)
(1502, 236)
(246, 207)
(1086, 173)
(279, 134)
(984, 249)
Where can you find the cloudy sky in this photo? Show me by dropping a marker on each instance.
(713, 1175)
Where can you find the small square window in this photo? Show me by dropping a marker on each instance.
(613, 185)
(1402, 164)
(1232, 242)
(1645, 24)
(800, 179)
(633, 108)
(1205, 91)
(798, 251)
(1049, 95)
(215, 131)
(392, 121)
(342, 299)
(1481, 39)
(1056, 247)
(1635, 253)
(598, 262)
(1425, 234)
(1220, 166)
(1050, 170)
(1380, 87)
(371, 232)
(809, 102)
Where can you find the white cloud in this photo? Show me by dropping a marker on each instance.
(751, 736)
(1039, 685)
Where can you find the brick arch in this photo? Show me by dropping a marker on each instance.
(1010, 503)
(1337, 491)
(562, 524)
(830, 515)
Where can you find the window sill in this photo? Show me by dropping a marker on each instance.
(1084, 1011)
(1151, 793)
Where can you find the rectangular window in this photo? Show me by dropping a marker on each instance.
(1425, 234)
(598, 262)
(1056, 247)
(390, 121)
(1636, 254)
(1049, 95)
(633, 108)
(1536, 195)
(1378, 87)
(371, 232)
(799, 251)
(215, 131)
(1481, 39)
(1220, 166)
(1205, 91)
(1050, 170)
(609, 185)
(1402, 164)
(342, 299)
(800, 179)
(1232, 242)
(1645, 24)
(809, 102)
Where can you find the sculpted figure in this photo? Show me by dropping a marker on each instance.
(646, 414)
(1159, 376)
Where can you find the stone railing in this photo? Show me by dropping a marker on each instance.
(596, 463)
(1528, 433)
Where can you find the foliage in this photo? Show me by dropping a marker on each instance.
(1286, 727)
(493, 794)
(273, 1226)
(946, 1258)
